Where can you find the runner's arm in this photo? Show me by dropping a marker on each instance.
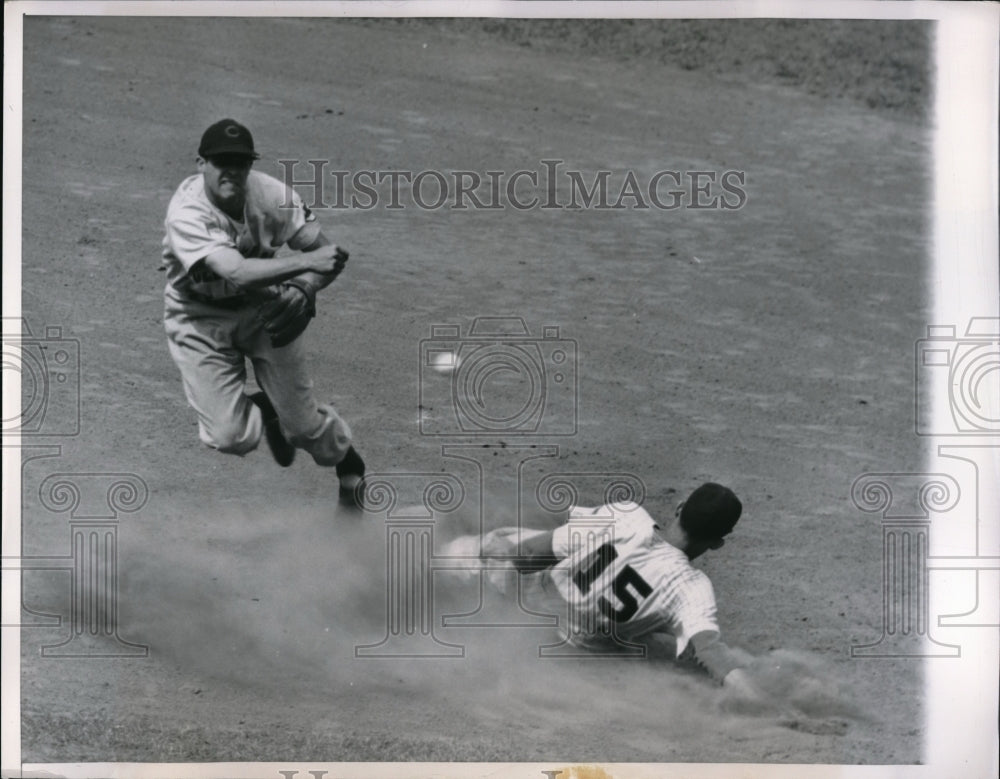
(717, 657)
(535, 553)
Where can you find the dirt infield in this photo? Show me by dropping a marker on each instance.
(881, 64)
(766, 345)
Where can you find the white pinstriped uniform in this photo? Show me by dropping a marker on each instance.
(621, 580)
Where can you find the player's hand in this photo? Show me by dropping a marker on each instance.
(331, 261)
(286, 316)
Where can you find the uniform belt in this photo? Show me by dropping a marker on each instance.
(237, 301)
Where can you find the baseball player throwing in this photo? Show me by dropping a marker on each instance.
(229, 299)
(624, 579)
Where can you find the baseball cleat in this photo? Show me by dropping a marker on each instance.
(352, 494)
(281, 448)
(351, 472)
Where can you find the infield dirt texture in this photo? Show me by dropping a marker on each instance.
(768, 347)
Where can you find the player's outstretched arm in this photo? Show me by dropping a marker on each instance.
(527, 550)
(317, 281)
(245, 272)
(729, 666)
(715, 656)
(536, 553)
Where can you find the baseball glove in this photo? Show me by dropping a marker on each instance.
(286, 316)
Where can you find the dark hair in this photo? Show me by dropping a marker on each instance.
(710, 512)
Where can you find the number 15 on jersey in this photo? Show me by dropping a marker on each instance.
(628, 587)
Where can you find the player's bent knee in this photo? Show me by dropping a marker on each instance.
(232, 445)
(326, 460)
(233, 438)
(329, 445)
(237, 447)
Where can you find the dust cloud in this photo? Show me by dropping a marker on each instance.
(281, 607)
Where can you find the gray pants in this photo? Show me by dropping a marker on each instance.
(211, 345)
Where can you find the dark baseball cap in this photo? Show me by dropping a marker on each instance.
(710, 512)
(227, 137)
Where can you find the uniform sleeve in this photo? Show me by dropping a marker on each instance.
(193, 234)
(305, 237)
(295, 224)
(694, 609)
(714, 655)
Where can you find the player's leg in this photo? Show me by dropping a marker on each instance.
(498, 543)
(281, 448)
(214, 376)
(475, 558)
(310, 425)
(506, 542)
(307, 424)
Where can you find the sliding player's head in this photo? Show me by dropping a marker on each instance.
(708, 515)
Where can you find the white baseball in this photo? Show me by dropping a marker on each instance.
(445, 362)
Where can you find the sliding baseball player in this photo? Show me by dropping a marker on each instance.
(624, 579)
